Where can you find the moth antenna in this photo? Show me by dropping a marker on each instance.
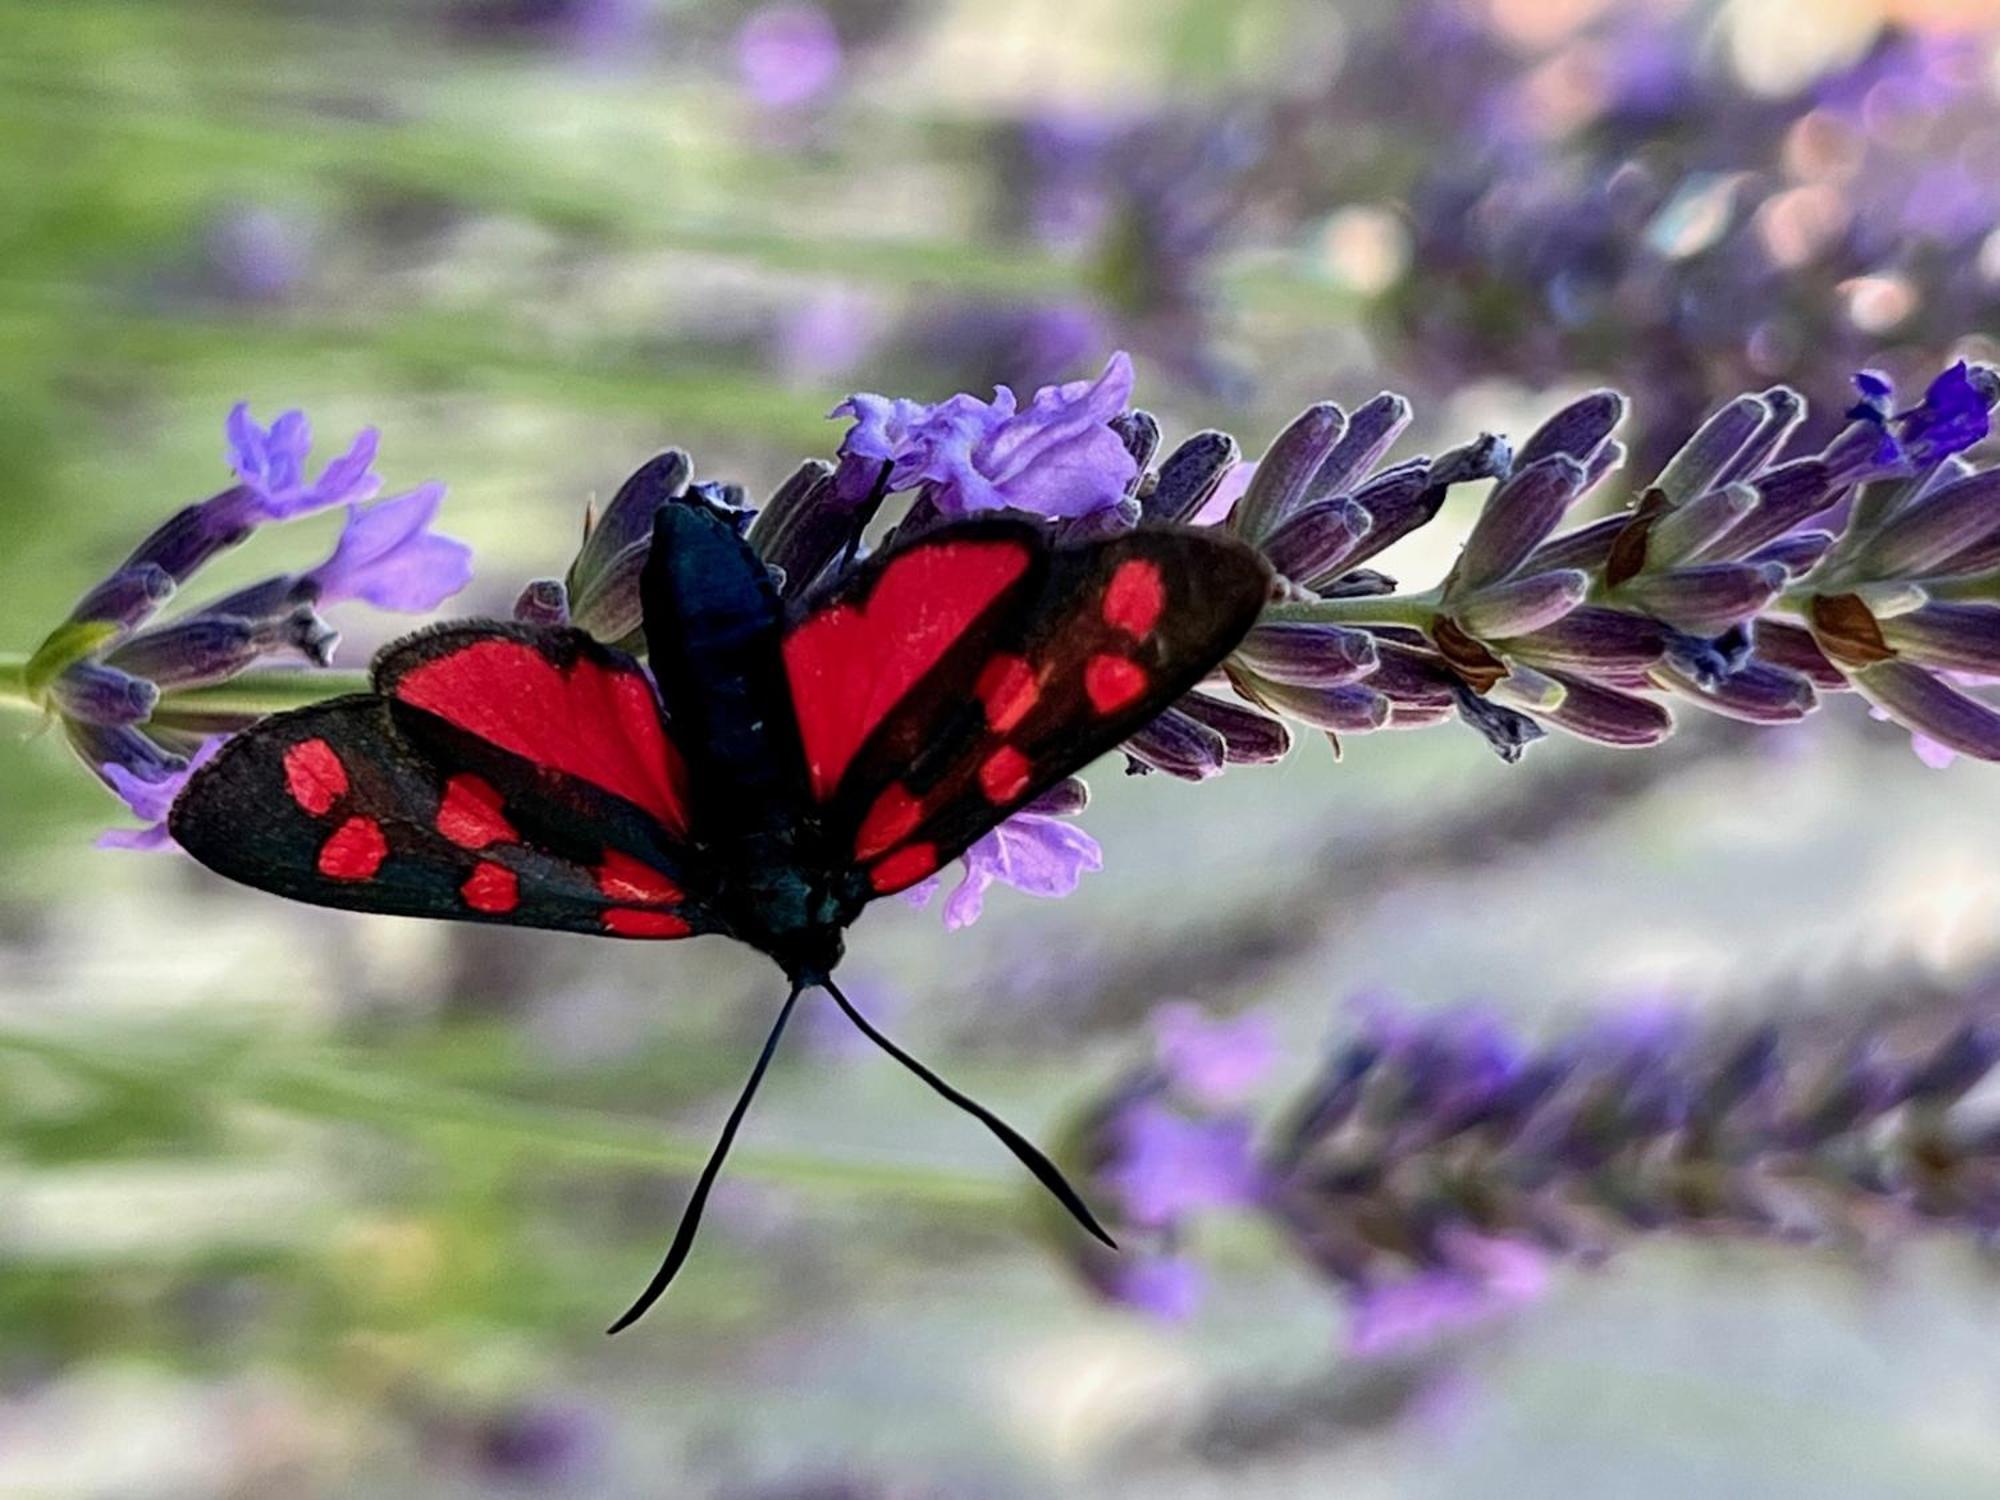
(1028, 1154)
(677, 1253)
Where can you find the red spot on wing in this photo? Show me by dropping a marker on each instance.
(470, 814)
(906, 866)
(1008, 689)
(1135, 597)
(1113, 682)
(623, 878)
(354, 851)
(1003, 775)
(314, 775)
(491, 888)
(850, 664)
(626, 921)
(595, 722)
(892, 819)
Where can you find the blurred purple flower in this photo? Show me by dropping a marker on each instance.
(1490, 1277)
(388, 556)
(1058, 458)
(270, 462)
(826, 335)
(1169, 1287)
(788, 55)
(257, 253)
(1213, 1062)
(1167, 1164)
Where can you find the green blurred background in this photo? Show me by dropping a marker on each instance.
(293, 1203)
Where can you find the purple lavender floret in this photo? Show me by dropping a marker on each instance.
(119, 679)
(1060, 457)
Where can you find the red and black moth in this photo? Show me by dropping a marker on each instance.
(775, 771)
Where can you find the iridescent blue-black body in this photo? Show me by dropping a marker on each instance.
(714, 624)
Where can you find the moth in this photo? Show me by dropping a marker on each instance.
(777, 768)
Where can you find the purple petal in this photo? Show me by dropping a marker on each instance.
(389, 557)
(1169, 1287)
(271, 465)
(1033, 852)
(1059, 458)
(150, 799)
(788, 55)
(1168, 1165)
(1214, 1062)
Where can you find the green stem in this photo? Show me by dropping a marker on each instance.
(14, 683)
(265, 692)
(330, 1087)
(1415, 610)
(252, 693)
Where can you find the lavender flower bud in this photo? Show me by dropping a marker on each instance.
(1786, 495)
(1313, 543)
(1139, 431)
(1594, 712)
(1759, 693)
(1412, 676)
(1577, 431)
(1593, 639)
(1955, 637)
(1521, 604)
(1517, 519)
(123, 747)
(1924, 703)
(1286, 470)
(1707, 598)
(208, 647)
(1248, 737)
(1106, 521)
(1686, 532)
(1179, 745)
(1931, 530)
(1371, 431)
(103, 695)
(543, 602)
(127, 598)
(606, 601)
(196, 533)
(1353, 708)
(1786, 408)
(1702, 460)
(1065, 799)
(628, 520)
(808, 524)
(1189, 475)
(1798, 554)
(1308, 655)
(1398, 501)
(1792, 647)
(1588, 547)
